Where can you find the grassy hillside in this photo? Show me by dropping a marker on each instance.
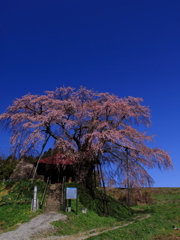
(100, 204)
(165, 213)
(15, 208)
(95, 217)
(15, 203)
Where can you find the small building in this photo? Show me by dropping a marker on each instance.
(59, 168)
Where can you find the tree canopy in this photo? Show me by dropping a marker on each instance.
(90, 127)
(7, 166)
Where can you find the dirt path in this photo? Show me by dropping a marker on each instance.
(90, 233)
(38, 224)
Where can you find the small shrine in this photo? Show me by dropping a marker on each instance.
(59, 168)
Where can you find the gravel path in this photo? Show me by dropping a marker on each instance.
(41, 223)
(90, 233)
(35, 226)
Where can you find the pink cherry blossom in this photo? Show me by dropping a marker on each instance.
(91, 128)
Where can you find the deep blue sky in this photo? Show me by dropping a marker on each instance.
(125, 47)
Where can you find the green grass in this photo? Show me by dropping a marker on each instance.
(15, 203)
(15, 208)
(95, 217)
(13, 215)
(93, 201)
(165, 212)
(82, 222)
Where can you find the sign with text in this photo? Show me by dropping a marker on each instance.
(71, 193)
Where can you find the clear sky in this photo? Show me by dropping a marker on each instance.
(125, 47)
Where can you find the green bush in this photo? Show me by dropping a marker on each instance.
(7, 167)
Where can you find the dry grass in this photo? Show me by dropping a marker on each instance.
(137, 196)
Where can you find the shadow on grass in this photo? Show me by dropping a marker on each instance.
(145, 210)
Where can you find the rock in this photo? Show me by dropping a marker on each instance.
(22, 171)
